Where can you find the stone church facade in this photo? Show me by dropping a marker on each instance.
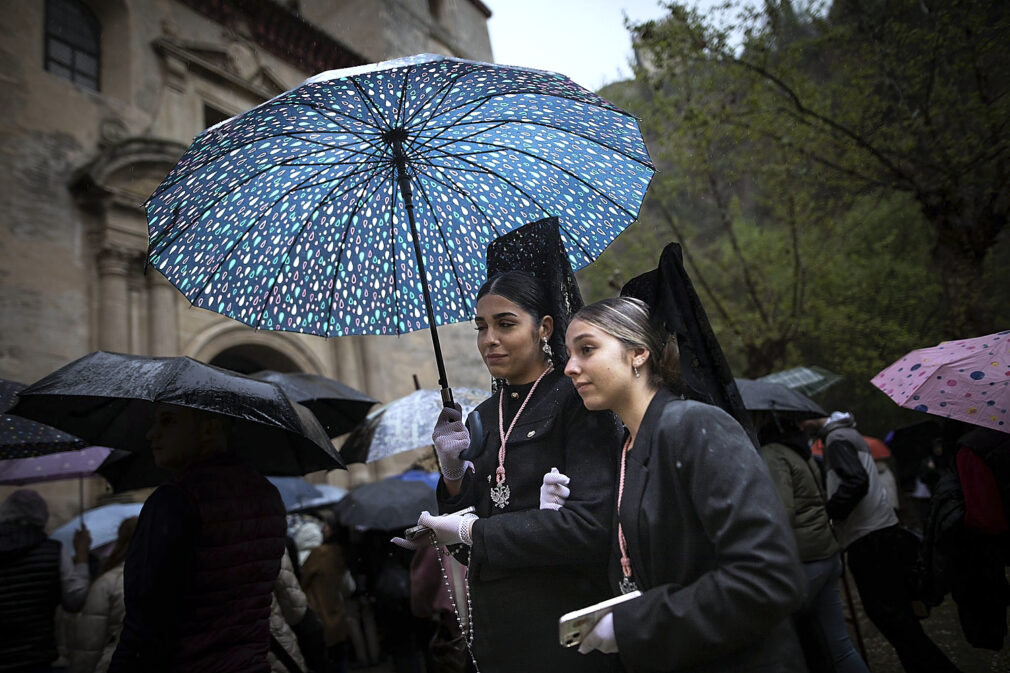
(101, 98)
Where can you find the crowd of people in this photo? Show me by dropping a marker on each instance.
(587, 474)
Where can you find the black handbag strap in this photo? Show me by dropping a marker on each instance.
(283, 656)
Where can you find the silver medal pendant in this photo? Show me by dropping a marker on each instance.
(627, 585)
(500, 494)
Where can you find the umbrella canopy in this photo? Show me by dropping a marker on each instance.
(338, 407)
(403, 424)
(362, 200)
(23, 438)
(968, 380)
(389, 504)
(54, 466)
(429, 478)
(110, 398)
(804, 380)
(766, 396)
(102, 522)
(294, 491)
(328, 495)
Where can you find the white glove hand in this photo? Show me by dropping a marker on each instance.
(554, 491)
(450, 438)
(412, 545)
(601, 638)
(449, 528)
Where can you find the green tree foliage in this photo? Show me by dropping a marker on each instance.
(839, 178)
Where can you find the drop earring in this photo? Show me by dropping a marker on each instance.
(634, 368)
(547, 349)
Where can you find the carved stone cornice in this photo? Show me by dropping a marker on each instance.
(102, 181)
(280, 31)
(180, 57)
(117, 262)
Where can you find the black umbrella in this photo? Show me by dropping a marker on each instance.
(338, 407)
(390, 504)
(109, 399)
(768, 396)
(23, 438)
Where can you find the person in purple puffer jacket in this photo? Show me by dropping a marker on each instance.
(201, 567)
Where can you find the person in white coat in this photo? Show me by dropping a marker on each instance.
(96, 629)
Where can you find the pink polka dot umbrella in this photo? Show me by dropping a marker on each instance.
(968, 380)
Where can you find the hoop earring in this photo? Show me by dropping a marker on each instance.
(547, 349)
(635, 369)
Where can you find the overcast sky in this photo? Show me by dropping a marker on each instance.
(584, 39)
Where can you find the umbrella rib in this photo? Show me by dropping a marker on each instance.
(509, 183)
(543, 210)
(428, 142)
(392, 251)
(503, 122)
(445, 128)
(239, 240)
(370, 106)
(465, 195)
(231, 189)
(556, 166)
(340, 253)
(445, 244)
(534, 92)
(185, 228)
(280, 267)
(403, 95)
(445, 89)
(290, 134)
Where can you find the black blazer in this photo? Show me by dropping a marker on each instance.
(710, 547)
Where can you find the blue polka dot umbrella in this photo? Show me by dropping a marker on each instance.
(362, 201)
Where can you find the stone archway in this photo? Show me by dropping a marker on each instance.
(235, 346)
(250, 358)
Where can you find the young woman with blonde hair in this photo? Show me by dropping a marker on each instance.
(700, 529)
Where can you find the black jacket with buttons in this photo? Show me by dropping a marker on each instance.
(529, 566)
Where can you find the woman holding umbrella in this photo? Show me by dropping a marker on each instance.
(529, 562)
(701, 531)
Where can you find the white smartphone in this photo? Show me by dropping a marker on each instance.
(576, 625)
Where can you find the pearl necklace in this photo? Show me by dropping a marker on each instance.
(500, 493)
(466, 630)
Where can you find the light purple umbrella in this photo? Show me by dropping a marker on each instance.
(53, 466)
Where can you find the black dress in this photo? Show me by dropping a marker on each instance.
(530, 566)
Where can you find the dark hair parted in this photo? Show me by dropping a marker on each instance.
(529, 294)
(627, 320)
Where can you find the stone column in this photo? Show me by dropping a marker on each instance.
(163, 315)
(114, 306)
(350, 364)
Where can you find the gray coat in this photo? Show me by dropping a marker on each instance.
(710, 547)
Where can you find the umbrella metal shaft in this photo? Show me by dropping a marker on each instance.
(403, 179)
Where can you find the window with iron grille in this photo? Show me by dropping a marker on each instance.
(73, 41)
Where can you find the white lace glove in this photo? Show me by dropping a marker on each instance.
(554, 491)
(601, 638)
(449, 529)
(450, 438)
